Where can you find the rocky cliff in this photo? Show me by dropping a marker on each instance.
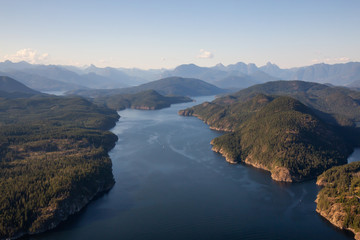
(338, 200)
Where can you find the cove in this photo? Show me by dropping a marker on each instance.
(170, 185)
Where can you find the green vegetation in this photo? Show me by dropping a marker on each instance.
(229, 115)
(336, 105)
(53, 160)
(338, 200)
(293, 139)
(149, 100)
(287, 139)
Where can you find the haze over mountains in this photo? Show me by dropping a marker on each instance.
(10, 88)
(171, 86)
(234, 76)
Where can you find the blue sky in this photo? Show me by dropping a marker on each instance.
(164, 34)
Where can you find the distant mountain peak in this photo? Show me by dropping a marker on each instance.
(270, 64)
(91, 67)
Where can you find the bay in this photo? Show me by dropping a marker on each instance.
(170, 185)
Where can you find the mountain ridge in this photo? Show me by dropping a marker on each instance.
(11, 88)
(166, 86)
(341, 74)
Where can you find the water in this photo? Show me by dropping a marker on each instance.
(170, 185)
(56, 93)
(355, 156)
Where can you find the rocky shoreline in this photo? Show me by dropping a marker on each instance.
(190, 113)
(52, 216)
(336, 217)
(280, 174)
(332, 208)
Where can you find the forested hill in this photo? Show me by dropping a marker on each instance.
(335, 104)
(146, 100)
(168, 86)
(54, 160)
(10, 88)
(281, 134)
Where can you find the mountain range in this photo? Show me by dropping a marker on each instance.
(234, 76)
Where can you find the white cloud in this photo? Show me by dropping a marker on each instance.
(344, 59)
(205, 54)
(29, 55)
(320, 58)
(315, 61)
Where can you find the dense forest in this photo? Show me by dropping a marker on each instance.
(339, 199)
(287, 139)
(146, 100)
(336, 105)
(294, 129)
(53, 160)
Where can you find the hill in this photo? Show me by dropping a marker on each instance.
(336, 105)
(146, 100)
(278, 134)
(41, 83)
(167, 86)
(10, 85)
(181, 87)
(54, 160)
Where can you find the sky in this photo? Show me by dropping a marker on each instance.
(153, 34)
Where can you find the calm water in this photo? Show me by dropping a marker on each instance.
(170, 185)
(355, 156)
(57, 93)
